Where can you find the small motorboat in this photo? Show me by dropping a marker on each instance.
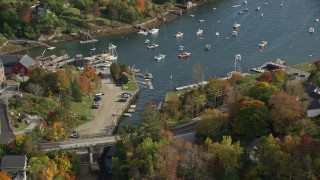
(51, 48)
(245, 2)
(311, 30)
(246, 9)
(207, 47)
(142, 32)
(184, 55)
(263, 44)
(199, 32)
(316, 20)
(153, 46)
(234, 33)
(240, 12)
(236, 25)
(181, 48)
(179, 34)
(191, 15)
(201, 20)
(159, 57)
(146, 41)
(153, 31)
(217, 34)
(92, 49)
(258, 8)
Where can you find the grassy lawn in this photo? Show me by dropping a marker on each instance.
(83, 108)
(307, 66)
(170, 95)
(22, 126)
(131, 86)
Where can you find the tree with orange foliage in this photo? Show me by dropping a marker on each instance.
(4, 176)
(140, 5)
(84, 83)
(286, 110)
(166, 162)
(89, 72)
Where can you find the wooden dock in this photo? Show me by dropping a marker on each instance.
(268, 66)
(149, 84)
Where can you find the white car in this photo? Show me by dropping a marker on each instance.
(104, 68)
(99, 94)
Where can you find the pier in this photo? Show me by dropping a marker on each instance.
(191, 86)
(279, 64)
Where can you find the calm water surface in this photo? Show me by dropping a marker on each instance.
(284, 28)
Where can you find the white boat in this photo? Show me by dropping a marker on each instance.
(201, 20)
(92, 49)
(142, 32)
(263, 44)
(234, 33)
(236, 25)
(88, 41)
(207, 47)
(281, 4)
(316, 20)
(311, 30)
(51, 48)
(237, 5)
(258, 8)
(146, 41)
(127, 114)
(261, 14)
(191, 15)
(112, 54)
(245, 2)
(181, 48)
(153, 46)
(160, 57)
(184, 55)
(246, 9)
(200, 31)
(179, 34)
(154, 31)
(217, 34)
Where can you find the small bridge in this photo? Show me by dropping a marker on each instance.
(79, 143)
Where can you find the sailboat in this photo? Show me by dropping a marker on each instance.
(214, 6)
(281, 4)
(317, 19)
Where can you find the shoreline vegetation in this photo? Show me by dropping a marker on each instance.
(169, 16)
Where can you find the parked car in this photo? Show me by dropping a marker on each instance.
(99, 94)
(122, 100)
(97, 98)
(125, 95)
(74, 135)
(97, 103)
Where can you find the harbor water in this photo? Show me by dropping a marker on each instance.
(284, 28)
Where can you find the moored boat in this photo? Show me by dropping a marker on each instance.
(179, 34)
(153, 46)
(159, 57)
(200, 31)
(184, 55)
(217, 34)
(146, 41)
(207, 47)
(142, 32)
(311, 30)
(153, 31)
(236, 25)
(263, 44)
(201, 20)
(181, 48)
(234, 33)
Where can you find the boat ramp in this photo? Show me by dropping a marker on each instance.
(269, 66)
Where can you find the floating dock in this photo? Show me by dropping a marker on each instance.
(149, 84)
(269, 66)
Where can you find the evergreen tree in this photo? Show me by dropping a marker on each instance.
(76, 92)
(65, 98)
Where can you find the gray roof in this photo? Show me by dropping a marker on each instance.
(27, 61)
(314, 104)
(9, 59)
(13, 162)
(310, 90)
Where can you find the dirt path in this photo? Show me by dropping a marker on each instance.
(104, 117)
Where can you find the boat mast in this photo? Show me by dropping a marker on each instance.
(237, 60)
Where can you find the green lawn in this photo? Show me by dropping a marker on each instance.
(307, 66)
(170, 95)
(131, 86)
(21, 127)
(82, 108)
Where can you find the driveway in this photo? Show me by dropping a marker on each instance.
(104, 119)
(6, 133)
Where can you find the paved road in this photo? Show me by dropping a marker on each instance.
(184, 129)
(6, 133)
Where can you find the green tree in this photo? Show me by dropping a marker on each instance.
(212, 124)
(262, 91)
(57, 6)
(216, 90)
(251, 118)
(65, 98)
(228, 153)
(76, 91)
(115, 70)
(84, 5)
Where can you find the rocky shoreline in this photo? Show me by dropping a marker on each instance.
(169, 16)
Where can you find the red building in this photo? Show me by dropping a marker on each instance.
(17, 64)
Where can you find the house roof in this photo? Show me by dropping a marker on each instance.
(311, 90)
(13, 162)
(27, 61)
(9, 59)
(314, 104)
